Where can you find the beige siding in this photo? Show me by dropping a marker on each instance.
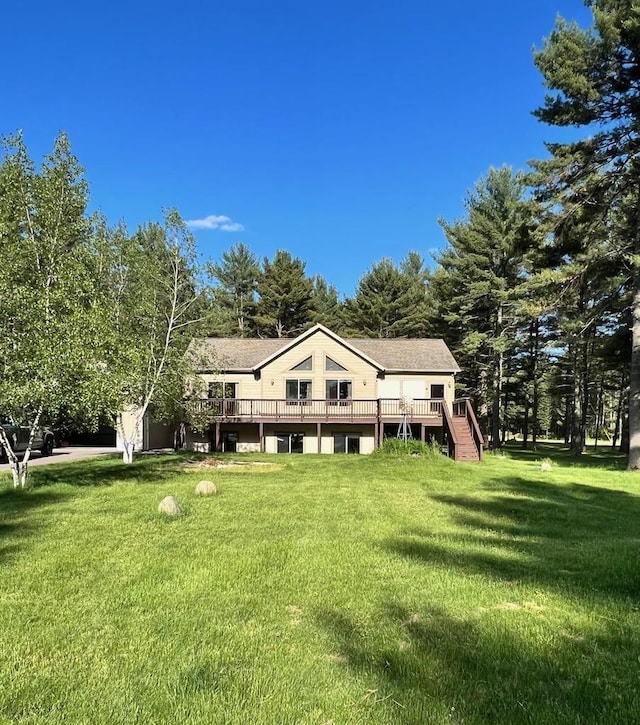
(410, 384)
(277, 372)
(246, 385)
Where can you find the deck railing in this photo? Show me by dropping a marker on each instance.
(319, 409)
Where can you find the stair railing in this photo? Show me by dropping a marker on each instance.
(463, 407)
(452, 439)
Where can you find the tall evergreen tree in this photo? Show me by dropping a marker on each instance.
(285, 297)
(391, 301)
(594, 76)
(478, 287)
(327, 308)
(237, 274)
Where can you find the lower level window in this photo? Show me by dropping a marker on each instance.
(346, 443)
(290, 443)
(230, 442)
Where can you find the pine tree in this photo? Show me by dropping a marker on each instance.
(594, 75)
(237, 274)
(327, 308)
(285, 297)
(478, 287)
(391, 301)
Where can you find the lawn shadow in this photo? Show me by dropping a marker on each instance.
(576, 538)
(16, 517)
(433, 667)
(108, 470)
(559, 453)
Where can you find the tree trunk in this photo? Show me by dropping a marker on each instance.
(497, 391)
(579, 403)
(621, 397)
(535, 384)
(525, 419)
(634, 377)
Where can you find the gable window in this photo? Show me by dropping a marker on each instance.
(330, 364)
(306, 364)
(338, 390)
(298, 392)
(291, 443)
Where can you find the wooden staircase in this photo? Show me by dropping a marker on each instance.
(465, 448)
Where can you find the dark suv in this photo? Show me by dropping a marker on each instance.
(18, 436)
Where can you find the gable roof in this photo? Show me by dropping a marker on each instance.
(386, 355)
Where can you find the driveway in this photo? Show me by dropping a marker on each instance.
(64, 455)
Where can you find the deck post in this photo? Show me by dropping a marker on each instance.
(217, 435)
(423, 430)
(319, 436)
(261, 436)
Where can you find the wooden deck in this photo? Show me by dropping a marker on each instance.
(389, 410)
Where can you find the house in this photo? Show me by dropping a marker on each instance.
(320, 393)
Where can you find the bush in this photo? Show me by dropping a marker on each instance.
(411, 447)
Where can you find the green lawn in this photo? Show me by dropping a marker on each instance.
(334, 589)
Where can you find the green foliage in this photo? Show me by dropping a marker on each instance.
(237, 274)
(391, 301)
(479, 287)
(591, 185)
(285, 297)
(48, 320)
(410, 447)
(327, 308)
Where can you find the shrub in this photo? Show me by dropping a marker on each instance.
(399, 447)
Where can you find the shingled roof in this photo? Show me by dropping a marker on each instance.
(242, 354)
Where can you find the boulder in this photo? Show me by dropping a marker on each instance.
(206, 488)
(169, 506)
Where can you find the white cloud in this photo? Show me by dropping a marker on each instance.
(213, 221)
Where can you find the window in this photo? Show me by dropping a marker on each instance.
(291, 443)
(218, 389)
(304, 365)
(298, 392)
(225, 393)
(338, 390)
(346, 443)
(330, 364)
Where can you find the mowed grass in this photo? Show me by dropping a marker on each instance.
(333, 589)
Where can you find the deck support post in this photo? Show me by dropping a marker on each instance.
(217, 435)
(261, 436)
(319, 436)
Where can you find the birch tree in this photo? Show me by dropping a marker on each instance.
(152, 300)
(47, 321)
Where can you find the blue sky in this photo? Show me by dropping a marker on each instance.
(340, 131)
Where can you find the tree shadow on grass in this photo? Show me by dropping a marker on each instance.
(603, 457)
(17, 517)
(108, 470)
(432, 667)
(577, 538)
